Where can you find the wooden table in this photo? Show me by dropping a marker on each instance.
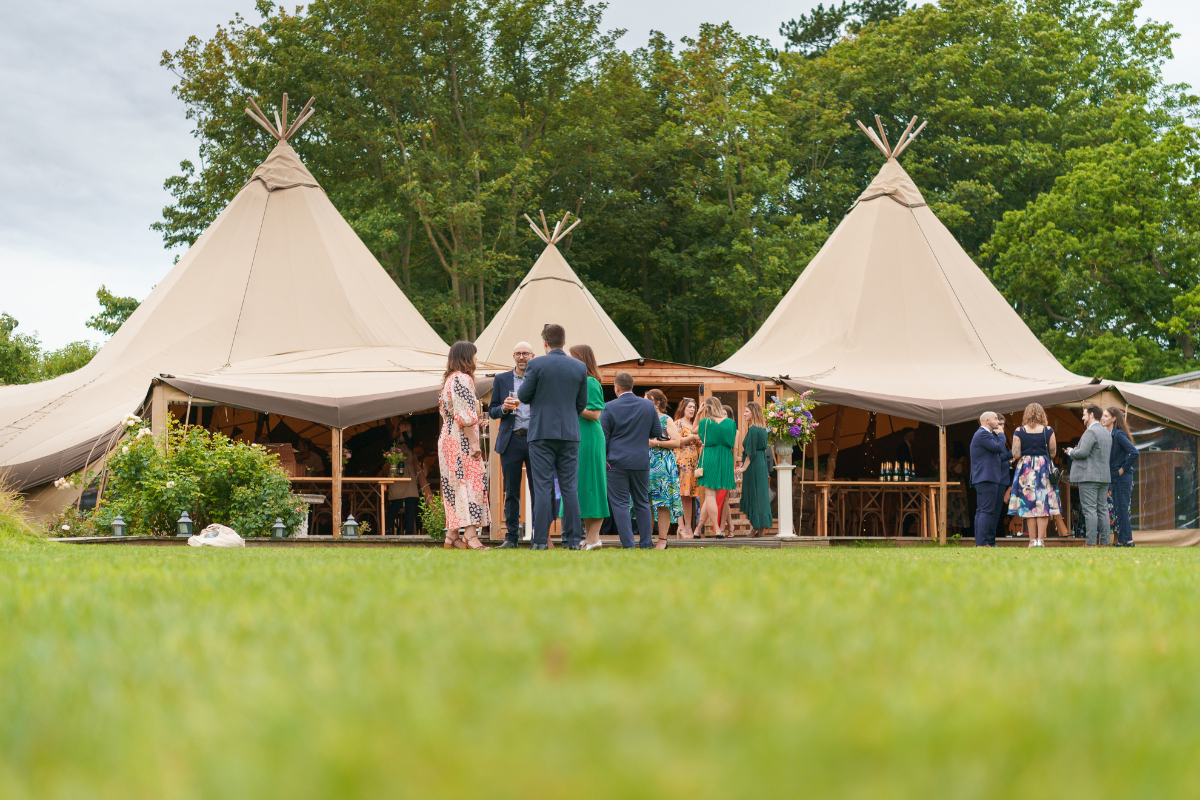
(912, 498)
(355, 487)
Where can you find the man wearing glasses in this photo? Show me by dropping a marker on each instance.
(512, 443)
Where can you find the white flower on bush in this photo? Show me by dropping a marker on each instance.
(130, 420)
(66, 527)
(124, 448)
(170, 484)
(62, 483)
(144, 432)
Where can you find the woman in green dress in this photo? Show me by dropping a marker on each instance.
(592, 486)
(717, 435)
(756, 487)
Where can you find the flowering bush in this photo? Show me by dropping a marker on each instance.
(210, 476)
(790, 419)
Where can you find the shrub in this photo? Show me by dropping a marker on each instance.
(152, 480)
(73, 522)
(14, 523)
(433, 517)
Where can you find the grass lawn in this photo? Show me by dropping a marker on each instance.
(131, 672)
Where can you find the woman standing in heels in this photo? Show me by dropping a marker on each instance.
(592, 483)
(664, 472)
(1033, 498)
(717, 434)
(460, 457)
(756, 482)
(685, 457)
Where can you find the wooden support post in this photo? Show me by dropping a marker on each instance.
(831, 459)
(528, 510)
(942, 485)
(383, 509)
(498, 529)
(336, 460)
(158, 410)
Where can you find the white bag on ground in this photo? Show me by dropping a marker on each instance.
(216, 536)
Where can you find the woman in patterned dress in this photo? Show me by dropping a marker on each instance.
(460, 457)
(664, 472)
(1033, 498)
(686, 456)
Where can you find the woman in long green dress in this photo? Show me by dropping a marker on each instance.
(717, 435)
(592, 484)
(664, 471)
(756, 486)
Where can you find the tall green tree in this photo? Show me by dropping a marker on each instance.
(114, 311)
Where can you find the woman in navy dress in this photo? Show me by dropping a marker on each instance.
(1121, 464)
(1033, 497)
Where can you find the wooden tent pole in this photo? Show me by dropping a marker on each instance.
(887, 145)
(942, 485)
(336, 461)
(831, 459)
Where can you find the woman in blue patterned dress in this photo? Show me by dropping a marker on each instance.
(1033, 498)
(664, 472)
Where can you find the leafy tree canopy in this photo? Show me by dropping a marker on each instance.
(113, 311)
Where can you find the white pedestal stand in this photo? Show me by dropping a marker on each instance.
(311, 500)
(784, 475)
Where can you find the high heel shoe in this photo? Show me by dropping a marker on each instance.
(473, 543)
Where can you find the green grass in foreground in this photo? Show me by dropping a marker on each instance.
(130, 672)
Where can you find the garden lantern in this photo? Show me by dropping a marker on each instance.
(350, 528)
(183, 527)
(278, 529)
(117, 526)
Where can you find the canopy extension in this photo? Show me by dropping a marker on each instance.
(881, 141)
(552, 237)
(280, 129)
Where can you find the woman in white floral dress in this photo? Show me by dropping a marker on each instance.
(460, 458)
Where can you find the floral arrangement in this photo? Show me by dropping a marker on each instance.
(345, 456)
(395, 456)
(790, 419)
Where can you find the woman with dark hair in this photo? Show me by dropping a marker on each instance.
(592, 483)
(1033, 499)
(756, 481)
(460, 458)
(664, 472)
(1120, 464)
(685, 457)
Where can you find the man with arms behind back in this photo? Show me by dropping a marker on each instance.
(555, 388)
(629, 423)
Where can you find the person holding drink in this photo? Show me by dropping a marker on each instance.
(512, 443)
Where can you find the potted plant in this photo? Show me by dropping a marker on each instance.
(790, 423)
(395, 458)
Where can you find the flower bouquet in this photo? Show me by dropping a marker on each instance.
(790, 423)
(395, 457)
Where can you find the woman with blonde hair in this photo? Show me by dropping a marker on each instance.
(592, 483)
(1034, 498)
(714, 472)
(685, 457)
(664, 473)
(460, 458)
(756, 481)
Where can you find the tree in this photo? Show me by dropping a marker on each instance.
(66, 359)
(113, 311)
(812, 34)
(20, 353)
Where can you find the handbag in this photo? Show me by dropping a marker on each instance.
(699, 471)
(1055, 472)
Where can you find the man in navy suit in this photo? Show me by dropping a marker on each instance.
(555, 387)
(512, 441)
(629, 423)
(987, 448)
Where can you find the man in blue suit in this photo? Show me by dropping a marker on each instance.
(987, 448)
(555, 387)
(629, 423)
(512, 441)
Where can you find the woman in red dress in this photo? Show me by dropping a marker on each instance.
(459, 456)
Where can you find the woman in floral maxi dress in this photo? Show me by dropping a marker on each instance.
(460, 457)
(664, 471)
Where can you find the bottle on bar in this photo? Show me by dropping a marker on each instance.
(885, 471)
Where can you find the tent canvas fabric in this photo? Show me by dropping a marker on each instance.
(552, 293)
(893, 316)
(278, 304)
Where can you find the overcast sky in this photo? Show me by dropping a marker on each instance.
(89, 130)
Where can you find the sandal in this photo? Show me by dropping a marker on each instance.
(473, 543)
(453, 544)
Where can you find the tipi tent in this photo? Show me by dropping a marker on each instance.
(893, 316)
(552, 293)
(278, 306)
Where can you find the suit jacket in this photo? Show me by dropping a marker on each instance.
(501, 386)
(987, 451)
(1122, 456)
(555, 388)
(629, 423)
(1089, 461)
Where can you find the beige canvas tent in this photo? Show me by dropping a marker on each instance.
(277, 307)
(552, 292)
(893, 316)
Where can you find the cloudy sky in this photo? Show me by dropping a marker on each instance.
(89, 130)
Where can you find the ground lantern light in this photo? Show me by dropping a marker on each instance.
(278, 529)
(183, 527)
(117, 526)
(350, 528)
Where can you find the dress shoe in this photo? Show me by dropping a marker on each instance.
(595, 546)
(537, 546)
(508, 545)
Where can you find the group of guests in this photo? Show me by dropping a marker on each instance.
(1102, 463)
(587, 461)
